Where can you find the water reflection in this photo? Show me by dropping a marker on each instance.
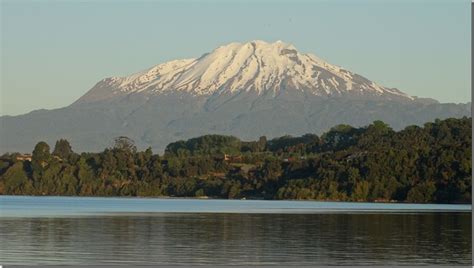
(325, 239)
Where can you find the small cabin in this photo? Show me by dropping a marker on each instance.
(23, 157)
(57, 158)
(228, 158)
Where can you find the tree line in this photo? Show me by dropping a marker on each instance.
(429, 164)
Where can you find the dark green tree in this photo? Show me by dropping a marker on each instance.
(126, 144)
(62, 149)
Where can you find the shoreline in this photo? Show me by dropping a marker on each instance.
(227, 199)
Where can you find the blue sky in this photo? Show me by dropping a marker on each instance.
(52, 52)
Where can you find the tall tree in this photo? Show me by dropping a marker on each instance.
(41, 156)
(125, 144)
(62, 149)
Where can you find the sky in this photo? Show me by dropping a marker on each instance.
(52, 52)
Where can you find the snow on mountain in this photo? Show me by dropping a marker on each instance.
(253, 66)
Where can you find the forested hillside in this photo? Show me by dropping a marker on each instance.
(373, 163)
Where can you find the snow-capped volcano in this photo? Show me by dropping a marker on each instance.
(253, 66)
(243, 89)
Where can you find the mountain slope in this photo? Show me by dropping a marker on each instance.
(247, 90)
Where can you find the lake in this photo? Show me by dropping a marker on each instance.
(86, 230)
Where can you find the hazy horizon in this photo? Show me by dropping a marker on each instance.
(54, 52)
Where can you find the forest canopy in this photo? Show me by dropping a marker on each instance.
(429, 164)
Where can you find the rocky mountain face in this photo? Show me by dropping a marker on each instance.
(247, 90)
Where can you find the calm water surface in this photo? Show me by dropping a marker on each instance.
(70, 230)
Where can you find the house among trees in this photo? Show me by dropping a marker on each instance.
(232, 158)
(228, 158)
(23, 157)
(57, 158)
